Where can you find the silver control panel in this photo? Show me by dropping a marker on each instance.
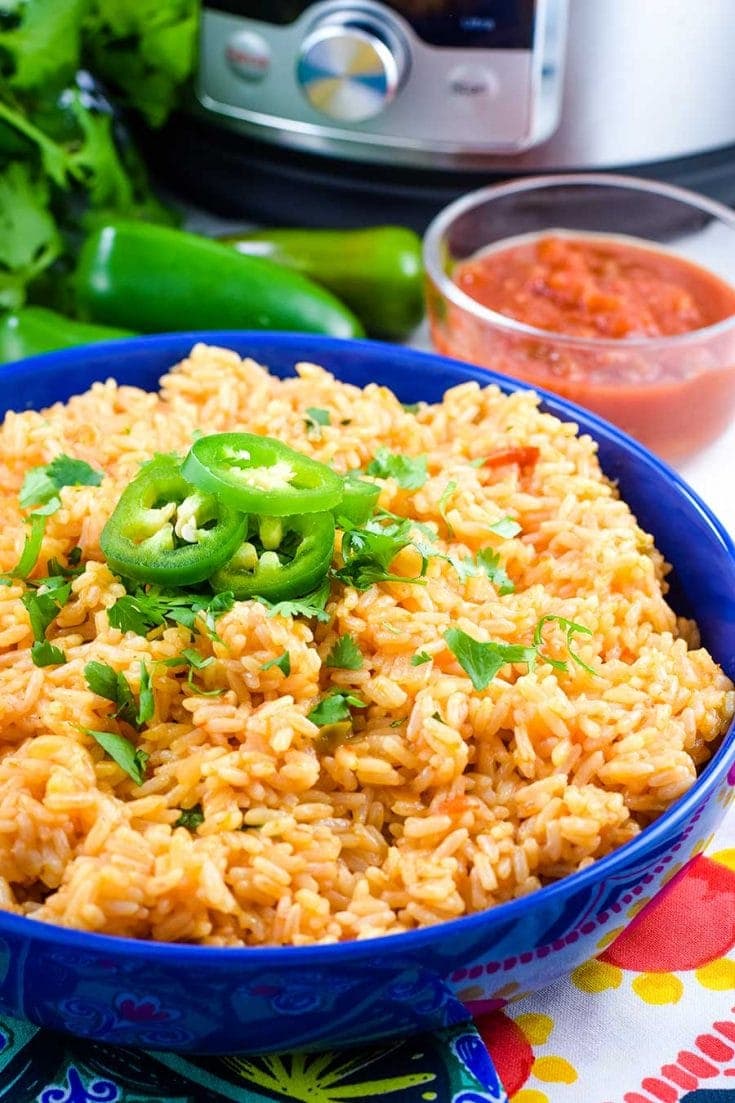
(355, 78)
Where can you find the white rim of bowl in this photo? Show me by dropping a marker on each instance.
(450, 290)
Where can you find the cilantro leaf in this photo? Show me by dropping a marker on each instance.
(190, 818)
(486, 561)
(44, 653)
(191, 658)
(146, 700)
(104, 681)
(113, 686)
(489, 561)
(368, 553)
(571, 630)
(31, 547)
(73, 566)
(420, 658)
(482, 661)
(42, 484)
(505, 527)
(311, 605)
(316, 417)
(44, 604)
(283, 662)
(131, 759)
(67, 471)
(143, 48)
(334, 708)
(194, 661)
(345, 654)
(408, 471)
(37, 488)
(447, 493)
(29, 239)
(135, 613)
(43, 47)
(142, 610)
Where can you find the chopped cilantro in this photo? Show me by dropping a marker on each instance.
(71, 569)
(191, 658)
(315, 418)
(368, 553)
(137, 613)
(408, 471)
(486, 561)
(411, 407)
(571, 629)
(44, 604)
(37, 488)
(146, 700)
(420, 658)
(113, 686)
(345, 654)
(335, 708)
(447, 493)
(482, 661)
(42, 484)
(194, 661)
(131, 759)
(489, 561)
(142, 610)
(283, 662)
(190, 818)
(311, 605)
(31, 547)
(44, 653)
(506, 527)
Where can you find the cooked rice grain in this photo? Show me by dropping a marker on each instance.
(448, 801)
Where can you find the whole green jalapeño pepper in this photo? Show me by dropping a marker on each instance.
(260, 475)
(165, 530)
(155, 279)
(33, 329)
(281, 558)
(376, 271)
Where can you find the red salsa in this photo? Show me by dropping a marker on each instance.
(674, 397)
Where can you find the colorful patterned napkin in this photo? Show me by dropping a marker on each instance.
(652, 1019)
(649, 1021)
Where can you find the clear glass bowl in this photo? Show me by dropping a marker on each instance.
(674, 394)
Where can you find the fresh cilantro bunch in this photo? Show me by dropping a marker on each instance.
(66, 159)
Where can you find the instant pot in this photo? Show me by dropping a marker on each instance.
(348, 111)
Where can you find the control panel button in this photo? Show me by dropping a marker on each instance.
(248, 55)
(472, 82)
(350, 71)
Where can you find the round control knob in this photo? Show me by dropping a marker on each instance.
(351, 68)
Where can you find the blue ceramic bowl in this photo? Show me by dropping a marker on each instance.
(211, 1000)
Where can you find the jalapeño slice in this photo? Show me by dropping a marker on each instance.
(359, 499)
(261, 475)
(165, 530)
(281, 558)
